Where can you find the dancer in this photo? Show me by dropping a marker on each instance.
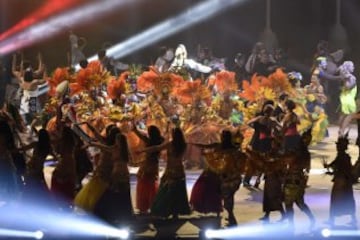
(63, 181)
(296, 176)
(315, 94)
(76, 50)
(114, 206)
(148, 173)
(347, 95)
(181, 61)
(36, 189)
(342, 200)
(9, 190)
(29, 82)
(163, 62)
(87, 198)
(230, 168)
(289, 123)
(256, 142)
(274, 173)
(171, 198)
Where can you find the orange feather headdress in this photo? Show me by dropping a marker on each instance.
(189, 91)
(116, 87)
(225, 81)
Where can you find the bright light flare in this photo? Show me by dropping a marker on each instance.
(39, 234)
(19, 233)
(326, 233)
(55, 223)
(355, 234)
(48, 9)
(189, 17)
(248, 231)
(54, 25)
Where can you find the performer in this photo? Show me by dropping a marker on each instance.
(315, 94)
(110, 64)
(342, 200)
(36, 189)
(148, 173)
(274, 173)
(289, 123)
(163, 62)
(230, 166)
(30, 105)
(171, 198)
(89, 195)
(63, 181)
(9, 190)
(347, 95)
(279, 111)
(296, 176)
(114, 206)
(181, 61)
(76, 50)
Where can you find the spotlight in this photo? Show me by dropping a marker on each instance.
(45, 29)
(38, 234)
(209, 234)
(326, 233)
(121, 233)
(170, 26)
(9, 233)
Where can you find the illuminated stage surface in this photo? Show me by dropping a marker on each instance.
(248, 204)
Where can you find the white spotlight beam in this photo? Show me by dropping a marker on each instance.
(19, 233)
(196, 14)
(58, 23)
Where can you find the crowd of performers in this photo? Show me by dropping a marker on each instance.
(177, 111)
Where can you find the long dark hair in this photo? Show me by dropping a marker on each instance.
(155, 137)
(44, 146)
(226, 140)
(124, 149)
(14, 112)
(111, 137)
(67, 139)
(178, 142)
(6, 132)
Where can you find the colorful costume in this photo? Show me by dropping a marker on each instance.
(206, 192)
(90, 194)
(172, 198)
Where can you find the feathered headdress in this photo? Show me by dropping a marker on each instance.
(92, 76)
(225, 81)
(116, 87)
(59, 75)
(189, 91)
(160, 83)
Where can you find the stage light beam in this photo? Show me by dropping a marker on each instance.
(20, 233)
(186, 19)
(48, 9)
(54, 25)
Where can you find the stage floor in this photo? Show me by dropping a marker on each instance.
(248, 201)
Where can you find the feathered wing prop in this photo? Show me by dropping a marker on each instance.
(251, 88)
(189, 91)
(92, 76)
(145, 82)
(60, 75)
(116, 87)
(225, 81)
(279, 82)
(167, 83)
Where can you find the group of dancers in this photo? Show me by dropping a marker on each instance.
(96, 124)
